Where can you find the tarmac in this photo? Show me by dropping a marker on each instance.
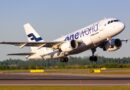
(61, 79)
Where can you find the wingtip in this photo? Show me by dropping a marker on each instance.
(2, 42)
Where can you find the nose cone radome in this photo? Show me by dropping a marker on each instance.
(121, 26)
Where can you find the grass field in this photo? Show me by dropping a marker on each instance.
(64, 87)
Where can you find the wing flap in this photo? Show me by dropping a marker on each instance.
(51, 53)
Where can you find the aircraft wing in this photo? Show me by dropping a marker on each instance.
(125, 40)
(33, 44)
(22, 54)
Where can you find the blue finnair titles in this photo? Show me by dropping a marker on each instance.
(84, 32)
(33, 37)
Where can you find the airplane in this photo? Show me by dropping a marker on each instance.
(99, 34)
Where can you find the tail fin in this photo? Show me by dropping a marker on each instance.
(32, 35)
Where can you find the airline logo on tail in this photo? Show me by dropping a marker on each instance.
(33, 37)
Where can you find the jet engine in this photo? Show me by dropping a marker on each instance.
(112, 45)
(69, 46)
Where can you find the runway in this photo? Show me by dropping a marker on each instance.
(62, 79)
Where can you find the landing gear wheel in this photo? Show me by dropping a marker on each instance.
(93, 58)
(65, 59)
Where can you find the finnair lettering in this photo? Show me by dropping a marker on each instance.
(82, 33)
(33, 37)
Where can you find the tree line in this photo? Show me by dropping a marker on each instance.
(74, 62)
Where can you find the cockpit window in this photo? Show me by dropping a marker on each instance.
(113, 21)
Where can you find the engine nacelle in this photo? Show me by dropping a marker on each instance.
(69, 46)
(112, 45)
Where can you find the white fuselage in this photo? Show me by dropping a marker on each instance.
(90, 36)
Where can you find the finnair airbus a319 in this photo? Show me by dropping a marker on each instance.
(99, 34)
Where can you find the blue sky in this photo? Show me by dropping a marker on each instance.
(54, 18)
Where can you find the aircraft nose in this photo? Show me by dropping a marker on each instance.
(121, 26)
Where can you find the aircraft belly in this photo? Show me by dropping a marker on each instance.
(54, 56)
(81, 48)
(34, 57)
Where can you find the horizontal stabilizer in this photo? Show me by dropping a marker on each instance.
(22, 54)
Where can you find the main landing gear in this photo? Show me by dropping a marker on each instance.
(93, 57)
(65, 59)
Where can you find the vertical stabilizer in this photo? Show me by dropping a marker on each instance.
(32, 35)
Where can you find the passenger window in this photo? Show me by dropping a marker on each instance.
(108, 22)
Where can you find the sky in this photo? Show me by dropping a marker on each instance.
(55, 18)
